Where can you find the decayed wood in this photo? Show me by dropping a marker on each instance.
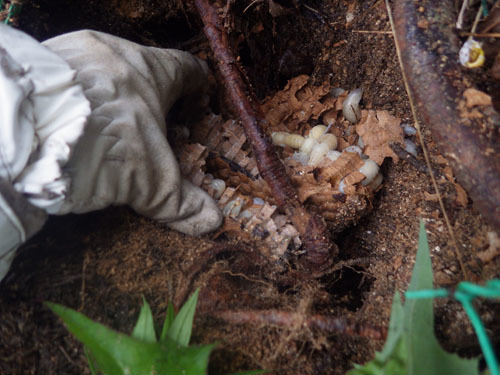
(320, 250)
(468, 135)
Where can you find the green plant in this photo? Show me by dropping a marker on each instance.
(113, 353)
(411, 347)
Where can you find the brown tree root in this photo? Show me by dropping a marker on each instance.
(320, 250)
(292, 320)
(468, 135)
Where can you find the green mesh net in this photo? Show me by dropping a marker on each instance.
(9, 11)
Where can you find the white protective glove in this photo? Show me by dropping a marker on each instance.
(122, 157)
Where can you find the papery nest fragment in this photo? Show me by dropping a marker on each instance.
(332, 188)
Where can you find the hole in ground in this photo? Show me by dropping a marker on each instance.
(348, 286)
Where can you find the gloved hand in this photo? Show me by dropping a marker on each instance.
(122, 157)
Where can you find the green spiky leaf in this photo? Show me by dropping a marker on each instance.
(182, 325)
(144, 328)
(169, 318)
(411, 347)
(114, 353)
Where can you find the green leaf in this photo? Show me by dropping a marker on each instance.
(119, 354)
(411, 347)
(169, 318)
(91, 361)
(180, 330)
(395, 328)
(425, 355)
(144, 328)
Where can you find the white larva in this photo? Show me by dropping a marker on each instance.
(350, 107)
(317, 131)
(361, 143)
(370, 170)
(410, 147)
(336, 92)
(409, 130)
(233, 208)
(333, 155)
(245, 214)
(330, 139)
(219, 186)
(294, 141)
(318, 153)
(308, 145)
(208, 178)
(353, 149)
(377, 181)
(342, 186)
(328, 142)
(286, 139)
(258, 201)
(279, 138)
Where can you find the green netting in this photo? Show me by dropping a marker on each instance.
(465, 294)
(9, 10)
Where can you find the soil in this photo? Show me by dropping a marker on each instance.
(104, 262)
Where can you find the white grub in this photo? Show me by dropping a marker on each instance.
(336, 92)
(350, 107)
(410, 147)
(333, 155)
(208, 178)
(377, 181)
(409, 130)
(219, 186)
(370, 170)
(279, 138)
(330, 139)
(353, 149)
(318, 152)
(308, 145)
(233, 208)
(361, 143)
(245, 214)
(317, 132)
(342, 186)
(286, 139)
(294, 141)
(258, 201)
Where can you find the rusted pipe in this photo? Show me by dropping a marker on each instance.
(468, 137)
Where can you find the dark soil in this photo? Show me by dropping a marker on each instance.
(102, 263)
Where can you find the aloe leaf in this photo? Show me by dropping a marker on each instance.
(395, 328)
(90, 360)
(411, 347)
(425, 355)
(169, 318)
(119, 354)
(144, 328)
(181, 328)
